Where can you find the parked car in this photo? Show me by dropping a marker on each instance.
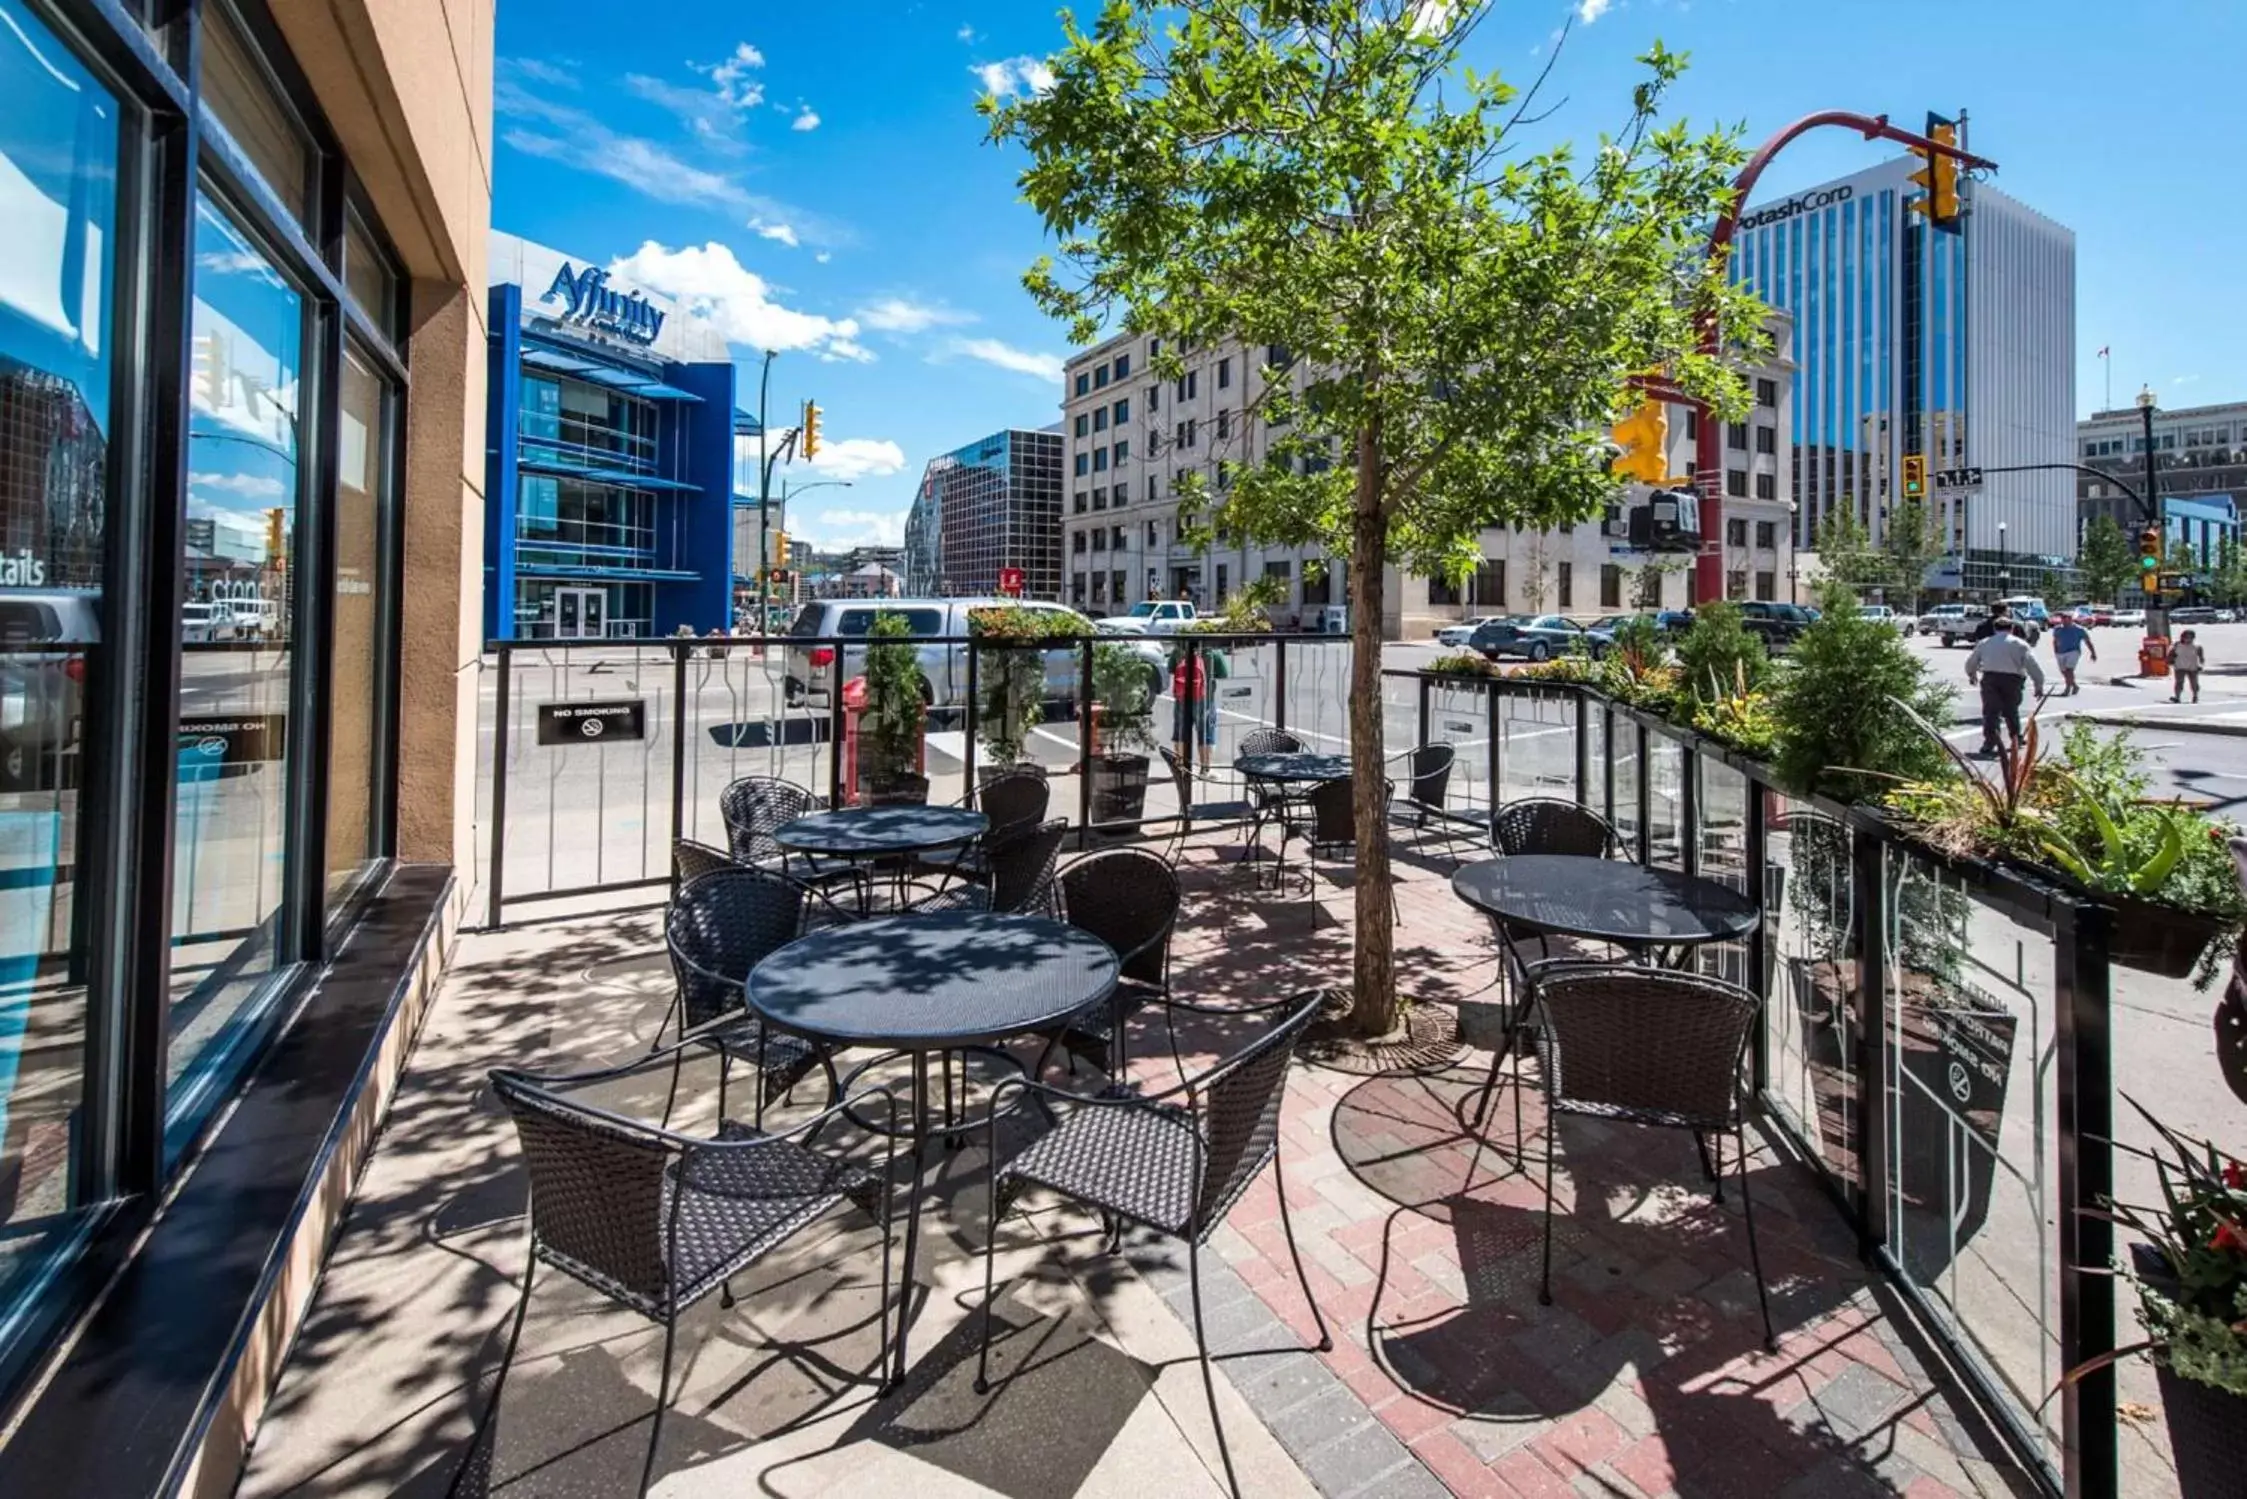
(1536, 637)
(2227, 616)
(1902, 623)
(810, 669)
(1779, 625)
(1953, 624)
(1456, 635)
(2193, 614)
(2091, 616)
(44, 639)
(2133, 619)
(2030, 612)
(1149, 617)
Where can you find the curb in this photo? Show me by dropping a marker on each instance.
(2171, 725)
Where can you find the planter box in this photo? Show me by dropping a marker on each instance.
(1119, 788)
(2158, 939)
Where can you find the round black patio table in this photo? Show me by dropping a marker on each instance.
(931, 984)
(1295, 765)
(870, 832)
(1605, 900)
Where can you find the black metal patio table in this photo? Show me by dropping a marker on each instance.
(931, 985)
(879, 833)
(1284, 769)
(1605, 900)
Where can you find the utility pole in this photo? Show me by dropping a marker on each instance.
(2157, 612)
(767, 456)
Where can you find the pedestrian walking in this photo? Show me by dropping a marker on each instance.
(1195, 671)
(2003, 666)
(1998, 615)
(2069, 641)
(2185, 660)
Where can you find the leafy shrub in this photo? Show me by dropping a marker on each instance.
(1463, 663)
(1741, 716)
(889, 733)
(1845, 705)
(1718, 655)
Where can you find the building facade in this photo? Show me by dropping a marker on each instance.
(995, 503)
(242, 360)
(1958, 347)
(1130, 437)
(612, 457)
(2200, 454)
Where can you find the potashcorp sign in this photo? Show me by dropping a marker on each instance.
(585, 297)
(1800, 204)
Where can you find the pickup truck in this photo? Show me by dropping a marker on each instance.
(1153, 617)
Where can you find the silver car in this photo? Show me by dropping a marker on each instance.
(45, 637)
(811, 668)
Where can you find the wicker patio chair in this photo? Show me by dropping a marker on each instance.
(756, 807)
(1129, 899)
(655, 1220)
(1174, 1161)
(1428, 773)
(691, 860)
(1182, 779)
(720, 927)
(1626, 1044)
(1552, 825)
(1010, 801)
(1022, 861)
(1326, 821)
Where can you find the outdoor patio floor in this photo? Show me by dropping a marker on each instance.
(1646, 1377)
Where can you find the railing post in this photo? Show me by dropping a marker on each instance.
(1607, 775)
(1425, 691)
(1583, 746)
(1279, 682)
(499, 787)
(1084, 749)
(1689, 806)
(1869, 905)
(678, 748)
(835, 732)
(1645, 794)
(1759, 942)
(2085, 1119)
(967, 723)
(1493, 766)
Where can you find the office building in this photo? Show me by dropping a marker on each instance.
(1130, 436)
(242, 363)
(2200, 467)
(612, 467)
(1908, 340)
(993, 504)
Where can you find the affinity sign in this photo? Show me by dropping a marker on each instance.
(586, 298)
(592, 723)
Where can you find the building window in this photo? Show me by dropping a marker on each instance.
(1224, 582)
(1692, 423)
(1078, 502)
(1100, 588)
(1766, 532)
(240, 91)
(1122, 411)
(1736, 585)
(1154, 491)
(1099, 460)
(1100, 499)
(1123, 367)
(1224, 425)
(1185, 433)
(1767, 393)
(1084, 384)
(1154, 534)
(1116, 537)
(1278, 356)
(1076, 541)
(1076, 588)
(1736, 533)
(1100, 377)
(1187, 385)
(1084, 464)
(1123, 495)
(1736, 483)
(1100, 539)
(1610, 586)
(1564, 585)
(1224, 374)
(1736, 436)
(1766, 586)
(1099, 420)
(1767, 486)
(1154, 398)
(1084, 424)
(1123, 451)
(1442, 592)
(1767, 439)
(1490, 584)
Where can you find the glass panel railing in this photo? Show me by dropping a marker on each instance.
(1811, 1015)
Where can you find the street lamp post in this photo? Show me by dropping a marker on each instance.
(2004, 563)
(2157, 615)
(789, 492)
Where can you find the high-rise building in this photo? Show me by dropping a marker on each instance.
(1957, 347)
(2200, 473)
(993, 504)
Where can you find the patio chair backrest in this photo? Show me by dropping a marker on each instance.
(1128, 898)
(1239, 1106)
(596, 1189)
(691, 860)
(1014, 799)
(721, 926)
(1630, 1041)
(1022, 861)
(1550, 825)
(754, 807)
(1431, 775)
(1270, 742)
(1333, 813)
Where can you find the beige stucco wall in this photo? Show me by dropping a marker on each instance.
(407, 86)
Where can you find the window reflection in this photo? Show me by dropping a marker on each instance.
(58, 184)
(362, 471)
(229, 845)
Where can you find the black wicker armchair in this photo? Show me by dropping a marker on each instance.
(756, 807)
(1625, 1044)
(1182, 780)
(1428, 781)
(1010, 801)
(1022, 860)
(1552, 825)
(1175, 1162)
(1326, 821)
(655, 1220)
(719, 928)
(691, 861)
(1129, 899)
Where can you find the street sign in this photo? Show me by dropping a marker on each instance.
(592, 723)
(1010, 582)
(2172, 582)
(1958, 478)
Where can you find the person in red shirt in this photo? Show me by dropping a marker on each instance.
(1204, 701)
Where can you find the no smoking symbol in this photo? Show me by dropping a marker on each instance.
(592, 728)
(1962, 1085)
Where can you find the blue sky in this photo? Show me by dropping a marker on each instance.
(816, 175)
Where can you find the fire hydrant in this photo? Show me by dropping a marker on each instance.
(2153, 656)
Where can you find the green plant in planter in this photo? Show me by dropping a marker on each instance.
(1738, 713)
(2119, 865)
(1011, 672)
(1851, 705)
(889, 731)
(1718, 655)
(1462, 664)
(1121, 687)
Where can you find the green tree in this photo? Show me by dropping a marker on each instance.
(2106, 560)
(2227, 583)
(1841, 729)
(1848, 554)
(1913, 543)
(1450, 320)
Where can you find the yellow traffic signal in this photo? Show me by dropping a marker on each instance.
(1644, 437)
(1915, 476)
(2149, 550)
(275, 542)
(780, 548)
(1939, 176)
(811, 430)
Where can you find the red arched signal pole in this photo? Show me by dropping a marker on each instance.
(1708, 452)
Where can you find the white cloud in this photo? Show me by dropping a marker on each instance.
(1007, 357)
(1589, 11)
(842, 349)
(713, 119)
(1014, 75)
(896, 315)
(965, 33)
(854, 458)
(1430, 17)
(823, 257)
(2184, 380)
(542, 72)
(709, 281)
(808, 120)
(838, 528)
(735, 86)
(249, 486)
(780, 232)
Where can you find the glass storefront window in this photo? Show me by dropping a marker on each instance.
(367, 276)
(362, 476)
(584, 425)
(229, 837)
(250, 109)
(59, 135)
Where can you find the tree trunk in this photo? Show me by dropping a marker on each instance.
(1375, 1013)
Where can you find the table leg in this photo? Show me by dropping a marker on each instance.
(912, 1210)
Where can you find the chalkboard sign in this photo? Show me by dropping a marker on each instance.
(592, 723)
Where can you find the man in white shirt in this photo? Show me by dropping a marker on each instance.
(2003, 665)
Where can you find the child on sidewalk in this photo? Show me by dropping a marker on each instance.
(2185, 661)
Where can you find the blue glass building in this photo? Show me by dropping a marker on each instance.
(609, 471)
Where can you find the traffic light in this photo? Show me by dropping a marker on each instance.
(2149, 552)
(811, 430)
(1939, 176)
(780, 548)
(1644, 438)
(1915, 476)
(275, 542)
